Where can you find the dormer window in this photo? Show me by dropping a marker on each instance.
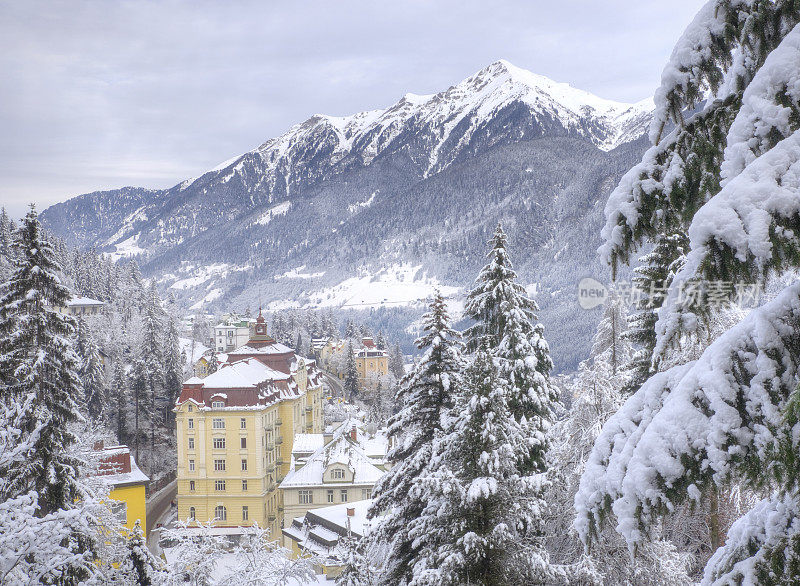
(337, 474)
(189, 409)
(217, 404)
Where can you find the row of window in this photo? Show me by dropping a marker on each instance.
(306, 497)
(218, 443)
(219, 485)
(219, 465)
(221, 513)
(218, 422)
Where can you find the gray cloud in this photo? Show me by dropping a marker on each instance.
(101, 94)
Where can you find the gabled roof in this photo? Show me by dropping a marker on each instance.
(340, 450)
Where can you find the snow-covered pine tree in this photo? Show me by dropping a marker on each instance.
(732, 173)
(95, 386)
(609, 339)
(172, 367)
(506, 324)
(213, 362)
(424, 397)
(38, 372)
(350, 373)
(483, 517)
(121, 396)
(651, 280)
(358, 571)
(141, 568)
(396, 362)
(148, 366)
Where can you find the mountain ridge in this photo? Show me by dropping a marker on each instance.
(383, 193)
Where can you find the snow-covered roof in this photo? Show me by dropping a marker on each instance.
(247, 373)
(340, 450)
(78, 301)
(307, 442)
(192, 356)
(337, 515)
(275, 348)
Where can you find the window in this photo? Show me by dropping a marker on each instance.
(191, 443)
(218, 423)
(191, 485)
(366, 493)
(344, 496)
(217, 404)
(243, 423)
(120, 511)
(219, 443)
(244, 465)
(189, 408)
(221, 513)
(330, 496)
(192, 513)
(306, 497)
(245, 514)
(219, 465)
(191, 465)
(244, 485)
(337, 474)
(243, 442)
(191, 423)
(219, 485)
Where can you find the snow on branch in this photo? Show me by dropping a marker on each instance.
(751, 227)
(768, 531)
(722, 414)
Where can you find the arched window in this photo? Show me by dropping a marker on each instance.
(220, 513)
(191, 513)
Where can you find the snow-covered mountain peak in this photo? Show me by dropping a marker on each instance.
(444, 125)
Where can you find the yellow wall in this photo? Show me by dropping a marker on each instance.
(269, 433)
(371, 364)
(134, 497)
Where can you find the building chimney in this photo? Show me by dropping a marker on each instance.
(351, 511)
(354, 434)
(98, 445)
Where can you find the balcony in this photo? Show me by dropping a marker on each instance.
(279, 440)
(279, 421)
(271, 517)
(270, 468)
(269, 427)
(270, 445)
(309, 409)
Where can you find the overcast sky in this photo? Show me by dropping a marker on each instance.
(98, 95)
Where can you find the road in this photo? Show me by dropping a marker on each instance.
(159, 504)
(335, 385)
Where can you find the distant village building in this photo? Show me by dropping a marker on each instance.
(339, 471)
(371, 363)
(235, 432)
(231, 333)
(322, 532)
(82, 306)
(127, 483)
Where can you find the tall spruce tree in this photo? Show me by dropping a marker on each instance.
(39, 376)
(425, 397)
(482, 520)
(730, 175)
(149, 368)
(350, 373)
(506, 325)
(95, 386)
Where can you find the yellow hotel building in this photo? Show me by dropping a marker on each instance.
(235, 430)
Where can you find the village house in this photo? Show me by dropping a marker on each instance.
(127, 484)
(323, 533)
(339, 471)
(371, 363)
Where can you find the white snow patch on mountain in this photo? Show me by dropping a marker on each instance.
(126, 248)
(390, 286)
(297, 273)
(278, 210)
(355, 207)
